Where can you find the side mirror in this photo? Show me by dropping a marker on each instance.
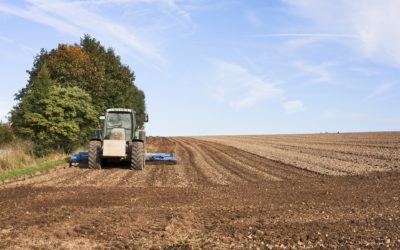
(146, 117)
(102, 117)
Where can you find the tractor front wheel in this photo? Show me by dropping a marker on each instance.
(94, 154)
(137, 155)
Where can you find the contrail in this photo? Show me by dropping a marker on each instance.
(306, 35)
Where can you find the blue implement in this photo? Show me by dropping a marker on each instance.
(160, 157)
(76, 158)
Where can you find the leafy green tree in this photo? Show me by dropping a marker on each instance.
(54, 117)
(96, 70)
(67, 87)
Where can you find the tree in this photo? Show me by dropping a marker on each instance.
(54, 117)
(92, 73)
(94, 69)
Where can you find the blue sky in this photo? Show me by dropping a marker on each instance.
(229, 67)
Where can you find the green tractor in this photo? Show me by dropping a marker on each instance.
(120, 139)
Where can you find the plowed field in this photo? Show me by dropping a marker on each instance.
(237, 192)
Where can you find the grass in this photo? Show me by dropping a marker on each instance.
(17, 159)
(17, 172)
(17, 154)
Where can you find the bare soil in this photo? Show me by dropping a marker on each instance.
(329, 153)
(220, 195)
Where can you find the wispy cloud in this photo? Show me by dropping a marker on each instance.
(79, 17)
(363, 70)
(298, 40)
(373, 23)
(170, 7)
(319, 73)
(383, 88)
(240, 88)
(5, 39)
(252, 18)
(237, 86)
(294, 106)
(37, 15)
(316, 35)
(167, 5)
(21, 46)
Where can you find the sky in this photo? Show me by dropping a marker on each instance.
(229, 66)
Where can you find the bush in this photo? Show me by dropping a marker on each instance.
(6, 134)
(63, 120)
(54, 117)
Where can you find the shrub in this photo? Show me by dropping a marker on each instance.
(54, 117)
(6, 134)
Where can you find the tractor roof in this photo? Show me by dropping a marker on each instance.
(120, 110)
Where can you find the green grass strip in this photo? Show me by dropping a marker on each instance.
(17, 172)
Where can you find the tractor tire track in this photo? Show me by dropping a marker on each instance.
(193, 171)
(274, 170)
(215, 173)
(226, 165)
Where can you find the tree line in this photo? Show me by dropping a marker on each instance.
(68, 88)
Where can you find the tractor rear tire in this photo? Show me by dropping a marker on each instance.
(94, 155)
(137, 155)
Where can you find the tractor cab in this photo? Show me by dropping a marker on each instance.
(119, 125)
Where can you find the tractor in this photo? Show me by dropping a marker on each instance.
(119, 138)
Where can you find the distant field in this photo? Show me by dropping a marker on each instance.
(331, 154)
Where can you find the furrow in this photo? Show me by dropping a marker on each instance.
(271, 168)
(218, 173)
(196, 173)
